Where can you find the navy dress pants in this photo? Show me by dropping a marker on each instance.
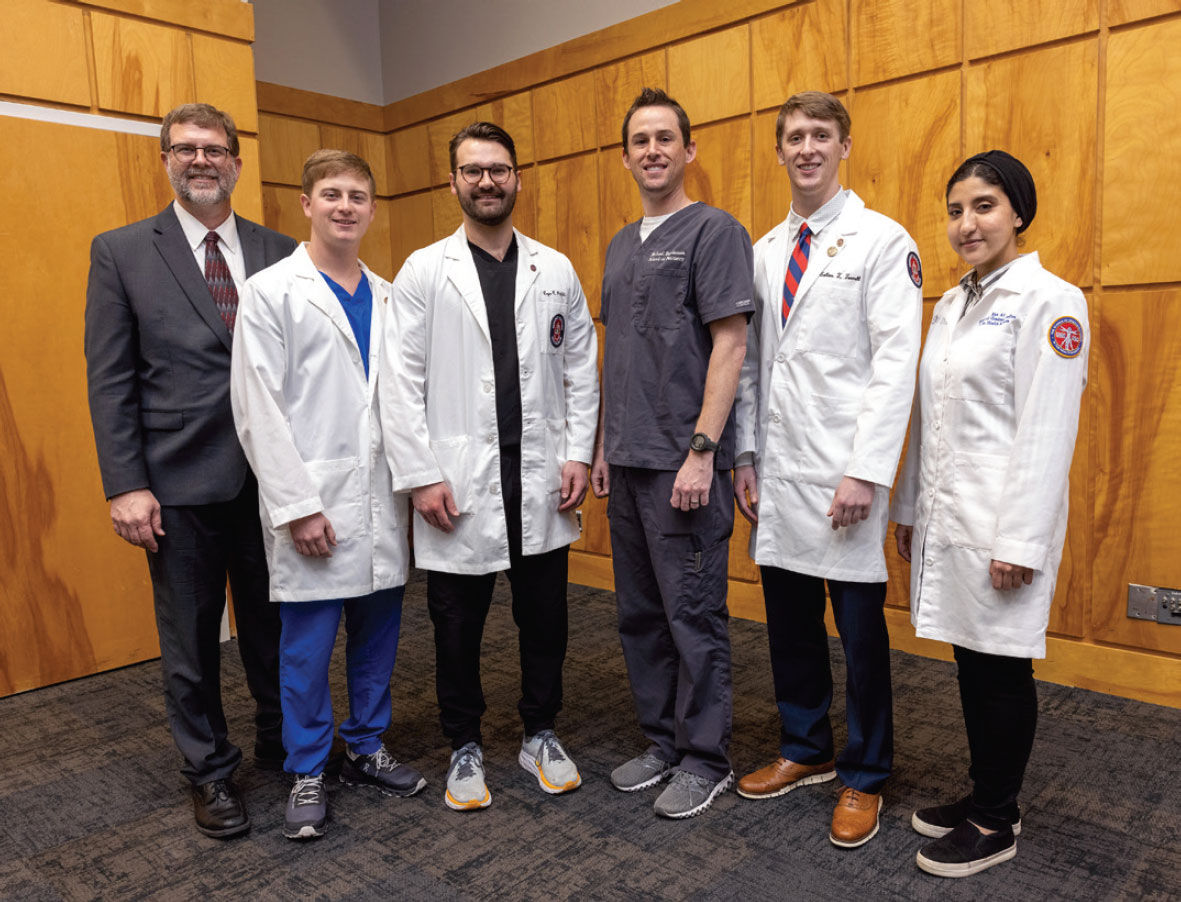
(803, 678)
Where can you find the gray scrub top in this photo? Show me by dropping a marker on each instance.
(658, 299)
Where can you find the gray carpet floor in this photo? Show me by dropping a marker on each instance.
(92, 805)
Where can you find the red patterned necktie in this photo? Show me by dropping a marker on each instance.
(795, 270)
(221, 282)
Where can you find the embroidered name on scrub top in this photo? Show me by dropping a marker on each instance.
(358, 309)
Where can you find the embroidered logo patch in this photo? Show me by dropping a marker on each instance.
(1066, 336)
(557, 330)
(914, 269)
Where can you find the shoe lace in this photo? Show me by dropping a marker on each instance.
(465, 766)
(550, 744)
(383, 759)
(307, 789)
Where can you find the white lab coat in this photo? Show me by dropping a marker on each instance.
(438, 393)
(830, 395)
(309, 423)
(986, 473)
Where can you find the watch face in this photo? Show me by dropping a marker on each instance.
(697, 442)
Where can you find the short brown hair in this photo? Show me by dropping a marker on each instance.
(814, 105)
(203, 116)
(657, 97)
(323, 164)
(481, 131)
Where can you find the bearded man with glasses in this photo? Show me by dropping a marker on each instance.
(489, 371)
(161, 304)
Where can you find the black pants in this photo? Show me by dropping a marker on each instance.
(803, 677)
(458, 605)
(201, 545)
(999, 698)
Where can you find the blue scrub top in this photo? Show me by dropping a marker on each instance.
(359, 310)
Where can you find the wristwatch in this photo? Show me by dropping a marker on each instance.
(702, 442)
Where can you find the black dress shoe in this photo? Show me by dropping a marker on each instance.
(219, 809)
(269, 754)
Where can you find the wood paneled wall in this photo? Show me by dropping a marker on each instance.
(74, 598)
(1082, 92)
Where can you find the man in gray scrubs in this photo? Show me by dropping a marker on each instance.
(677, 293)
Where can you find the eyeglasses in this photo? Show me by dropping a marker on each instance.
(186, 153)
(472, 174)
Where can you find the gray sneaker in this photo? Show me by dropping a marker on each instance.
(543, 756)
(306, 814)
(688, 794)
(465, 780)
(641, 772)
(382, 770)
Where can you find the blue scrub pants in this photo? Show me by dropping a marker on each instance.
(670, 587)
(305, 649)
(803, 678)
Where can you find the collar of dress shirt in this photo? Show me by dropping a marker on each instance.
(195, 232)
(821, 218)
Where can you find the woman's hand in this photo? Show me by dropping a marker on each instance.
(902, 536)
(1009, 576)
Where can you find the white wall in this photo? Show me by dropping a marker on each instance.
(427, 43)
(379, 51)
(329, 46)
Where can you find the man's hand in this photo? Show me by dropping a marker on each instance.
(600, 474)
(313, 535)
(902, 536)
(691, 489)
(574, 484)
(436, 504)
(136, 518)
(1009, 576)
(851, 502)
(746, 492)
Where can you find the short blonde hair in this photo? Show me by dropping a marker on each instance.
(325, 163)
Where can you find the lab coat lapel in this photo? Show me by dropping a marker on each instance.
(819, 258)
(526, 269)
(381, 302)
(172, 246)
(319, 295)
(461, 273)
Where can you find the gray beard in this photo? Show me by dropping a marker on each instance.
(204, 197)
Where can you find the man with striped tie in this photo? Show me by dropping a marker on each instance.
(822, 412)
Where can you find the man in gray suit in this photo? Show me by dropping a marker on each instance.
(160, 309)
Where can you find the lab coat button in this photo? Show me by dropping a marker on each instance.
(487, 387)
(779, 358)
(494, 489)
(774, 418)
(491, 439)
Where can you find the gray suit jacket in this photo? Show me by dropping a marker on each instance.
(158, 362)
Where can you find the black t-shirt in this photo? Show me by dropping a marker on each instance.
(498, 281)
(659, 297)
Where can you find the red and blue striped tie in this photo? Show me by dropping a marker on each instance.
(221, 282)
(795, 270)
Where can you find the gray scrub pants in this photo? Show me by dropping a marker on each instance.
(670, 586)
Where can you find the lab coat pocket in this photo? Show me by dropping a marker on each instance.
(831, 318)
(339, 485)
(453, 455)
(977, 491)
(555, 453)
(826, 438)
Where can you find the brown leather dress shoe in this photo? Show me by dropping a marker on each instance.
(855, 818)
(781, 777)
(219, 809)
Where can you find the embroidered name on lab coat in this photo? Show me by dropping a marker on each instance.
(997, 319)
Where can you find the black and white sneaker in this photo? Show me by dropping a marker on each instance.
(306, 815)
(382, 770)
(942, 819)
(966, 851)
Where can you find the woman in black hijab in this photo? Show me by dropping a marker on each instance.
(981, 506)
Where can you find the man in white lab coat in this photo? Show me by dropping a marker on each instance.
(822, 413)
(303, 386)
(490, 373)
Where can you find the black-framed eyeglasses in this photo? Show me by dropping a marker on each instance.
(499, 173)
(186, 153)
